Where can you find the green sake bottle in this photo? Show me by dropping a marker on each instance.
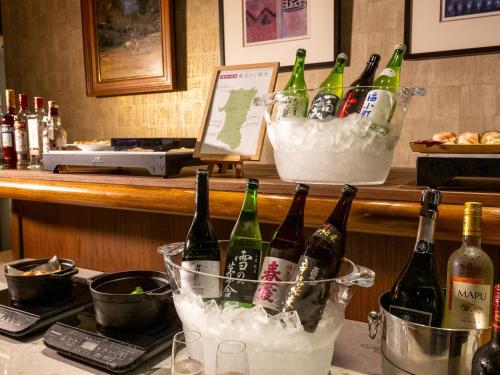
(295, 100)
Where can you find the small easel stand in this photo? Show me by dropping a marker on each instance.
(224, 163)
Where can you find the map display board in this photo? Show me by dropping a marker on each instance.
(233, 124)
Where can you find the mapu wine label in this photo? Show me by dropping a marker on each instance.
(470, 303)
(411, 315)
(269, 294)
(202, 285)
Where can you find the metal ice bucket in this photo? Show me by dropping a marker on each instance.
(410, 348)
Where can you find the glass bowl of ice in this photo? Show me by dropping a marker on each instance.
(336, 141)
(289, 328)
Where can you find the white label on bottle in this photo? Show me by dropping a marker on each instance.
(21, 138)
(378, 106)
(470, 303)
(269, 294)
(7, 139)
(33, 133)
(46, 143)
(204, 286)
(389, 72)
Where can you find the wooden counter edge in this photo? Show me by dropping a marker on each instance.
(396, 218)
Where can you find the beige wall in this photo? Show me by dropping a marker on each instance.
(44, 56)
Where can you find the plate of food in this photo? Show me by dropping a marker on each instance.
(95, 145)
(446, 142)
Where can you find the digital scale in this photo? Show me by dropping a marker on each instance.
(21, 321)
(117, 352)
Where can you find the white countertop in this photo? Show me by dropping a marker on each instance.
(355, 354)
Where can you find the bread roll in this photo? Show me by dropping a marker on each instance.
(468, 138)
(445, 137)
(490, 138)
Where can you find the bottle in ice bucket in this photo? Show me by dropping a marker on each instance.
(324, 104)
(355, 97)
(283, 254)
(321, 260)
(380, 102)
(416, 295)
(295, 100)
(244, 251)
(201, 249)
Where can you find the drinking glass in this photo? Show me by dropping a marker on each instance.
(187, 354)
(232, 358)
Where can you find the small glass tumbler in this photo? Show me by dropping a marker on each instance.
(187, 354)
(232, 358)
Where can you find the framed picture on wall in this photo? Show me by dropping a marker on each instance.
(255, 31)
(440, 28)
(127, 46)
(233, 127)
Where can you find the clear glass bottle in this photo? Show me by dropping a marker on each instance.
(35, 133)
(469, 277)
(54, 135)
(21, 132)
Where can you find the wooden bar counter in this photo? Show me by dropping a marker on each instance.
(116, 222)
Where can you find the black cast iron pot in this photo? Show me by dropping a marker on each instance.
(116, 308)
(42, 289)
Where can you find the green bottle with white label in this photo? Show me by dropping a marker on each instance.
(380, 102)
(294, 100)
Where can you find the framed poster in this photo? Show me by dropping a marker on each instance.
(233, 127)
(128, 46)
(441, 28)
(255, 31)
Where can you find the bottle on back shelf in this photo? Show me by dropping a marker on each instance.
(486, 360)
(321, 260)
(380, 102)
(54, 135)
(296, 100)
(8, 144)
(324, 104)
(21, 132)
(355, 97)
(201, 250)
(416, 295)
(244, 251)
(35, 132)
(469, 278)
(284, 252)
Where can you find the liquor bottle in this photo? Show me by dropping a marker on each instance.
(324, 104)
(486, 360)
(355, 97)
(21, 132)
(469, 277)
(244, 251)
(8, 150)
(416, 295)
(35, 133)
(201, 250)
(296, 99)
(283, 253)
(54, 135)
(321, 260)
(380, 102)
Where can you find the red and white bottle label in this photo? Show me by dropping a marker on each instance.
(202, 285)
(469, 302)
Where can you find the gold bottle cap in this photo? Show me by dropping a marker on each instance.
(10, 98)
(472, 219)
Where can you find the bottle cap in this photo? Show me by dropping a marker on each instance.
(472, 219)
(301, 52)
(303, 188)
(343, 56)
(430, 200)
(375, 58)
(253, 183)
(350, 189)
(38, 102)
(201, 172)
(10, 98)
(23, 100)
(401, 46)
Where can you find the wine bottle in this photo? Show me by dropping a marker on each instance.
(8, 144)
(283, 253)
(469, 277)
(295, 99)
(35, 130)
(416, 295)
(380, 102)
(244, 251)
(21, 132)
(201, 250)
(321, 260)
(486, 360)
(355, 97)
(325, 102)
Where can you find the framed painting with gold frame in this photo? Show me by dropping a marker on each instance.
(233, 127)
(128, 46)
